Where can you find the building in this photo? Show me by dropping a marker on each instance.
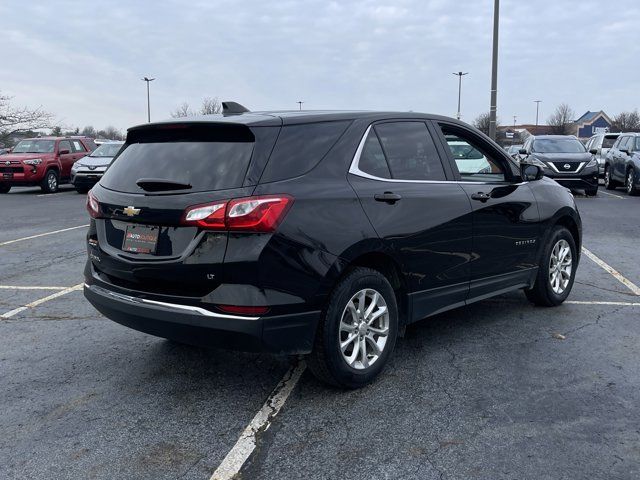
(591, 123)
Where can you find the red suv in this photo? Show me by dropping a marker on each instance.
(44, 161)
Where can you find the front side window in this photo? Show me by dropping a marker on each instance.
(410, 151)
(473, 163)
(64, 145)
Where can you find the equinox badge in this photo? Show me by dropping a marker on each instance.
(131, 211)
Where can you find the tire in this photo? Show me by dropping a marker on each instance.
(327, 361)
(609, 183)
(630, 184)
(543, 293)
(50, 182)
(591, 192)
(4, 188)
(81, 189)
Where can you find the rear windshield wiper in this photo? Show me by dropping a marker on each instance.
(161, 184)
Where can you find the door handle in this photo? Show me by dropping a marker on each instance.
(480, 196)
(387, 197)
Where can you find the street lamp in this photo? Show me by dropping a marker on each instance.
(537, 102)
(300, 102)
(148, 80)
(459, 75)
(494, 72)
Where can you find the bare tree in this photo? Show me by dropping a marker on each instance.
(626, 122)
(561, 122)
(56, 131)
(210, 106)
(483, 121)
(15, 120)
(89, 131)
(112, 133)
(183, 110)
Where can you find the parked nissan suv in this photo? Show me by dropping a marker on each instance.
(44, 161)
(565, 159)
(319, 233)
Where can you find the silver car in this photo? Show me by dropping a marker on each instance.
(86, 172)
(601, 142)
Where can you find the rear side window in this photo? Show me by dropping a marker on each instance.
(77, 146)
(300, 148)
(372, 159)
(205, 157)
(410, 151)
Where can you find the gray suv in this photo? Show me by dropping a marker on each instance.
(602, 142)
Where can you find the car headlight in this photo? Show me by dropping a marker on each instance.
(592, 163)
(75, 166)
(33, 161)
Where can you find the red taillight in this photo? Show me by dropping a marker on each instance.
(251, 214)
(239, 310)
(93, 206)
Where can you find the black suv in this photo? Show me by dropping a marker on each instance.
(565, 159)
(320, 233)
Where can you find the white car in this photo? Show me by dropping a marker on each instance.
(469, 160)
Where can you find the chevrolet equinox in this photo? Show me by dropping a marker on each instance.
(319, 233)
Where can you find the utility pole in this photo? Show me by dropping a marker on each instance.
(459, 75)
(537, 102)
(300, 102)
(494, 72)
(513, 139)
(148, 80)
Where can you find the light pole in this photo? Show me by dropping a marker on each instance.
(148, 80)
(300, 102)
(494, 72)
(460, 75)
(537, 102)
(513, 139)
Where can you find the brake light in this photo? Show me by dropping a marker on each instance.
(93, 206)
(251, 214)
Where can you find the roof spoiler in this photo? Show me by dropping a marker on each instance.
(233, 108)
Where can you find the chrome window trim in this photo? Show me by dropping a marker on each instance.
(173, 306)
(355, 170)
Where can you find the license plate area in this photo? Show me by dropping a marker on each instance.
(7, 175)
(141, 239)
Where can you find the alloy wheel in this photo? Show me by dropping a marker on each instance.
(560, 266)
(52, 182)
(607, 177)
(364, 329)
(630, 176)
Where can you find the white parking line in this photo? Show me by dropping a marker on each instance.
(21, 287)
(619, 304)
(40, 301)
(246, 444)
(9, 242)
(617, 275)
(612, 194)
(54, 194)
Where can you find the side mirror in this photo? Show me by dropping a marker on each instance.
(593, 151)
(530, 172)
(63, 152)
(523, 151)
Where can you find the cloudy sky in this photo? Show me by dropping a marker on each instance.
(83, 61)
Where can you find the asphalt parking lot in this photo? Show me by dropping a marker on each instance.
(498, 390)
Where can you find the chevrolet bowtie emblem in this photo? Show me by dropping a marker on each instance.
(131, 211)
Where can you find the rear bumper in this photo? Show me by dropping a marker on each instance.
(285, 334)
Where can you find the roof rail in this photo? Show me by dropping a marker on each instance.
(233, 108)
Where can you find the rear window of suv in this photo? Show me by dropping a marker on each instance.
(207, 158)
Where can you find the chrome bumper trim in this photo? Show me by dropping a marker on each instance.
(173, 306)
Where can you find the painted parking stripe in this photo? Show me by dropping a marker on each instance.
(40, 301)
(613, 195)
(28, 287)
(617, 275)
(596, 302)
(9, 242)
(55, 194)
(246, 444)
